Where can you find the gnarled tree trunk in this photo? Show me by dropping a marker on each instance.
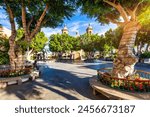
(11, 52)
(16, 58)
(123, 65)
(20, 60)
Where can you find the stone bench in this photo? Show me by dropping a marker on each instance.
(5, 81)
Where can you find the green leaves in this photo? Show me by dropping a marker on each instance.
(63, 43)
(38, 43)
(58, 10)
(144, 17)
(105, 13)
(89, 43)
(4, 46)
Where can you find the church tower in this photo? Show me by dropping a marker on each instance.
(89, 29)
(65, 30)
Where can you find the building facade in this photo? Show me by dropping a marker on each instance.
(77, 55)
(5, 32)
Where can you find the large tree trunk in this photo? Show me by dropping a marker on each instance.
(20, 60)
(16, 58)
(11, 53)
(123, 65)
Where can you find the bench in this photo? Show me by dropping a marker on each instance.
(4, 81)
(9, 76)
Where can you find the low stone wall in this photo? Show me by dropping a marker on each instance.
(111, 93)
(139, 82)
(4, 82)
(4, 66)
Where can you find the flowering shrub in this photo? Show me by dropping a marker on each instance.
(134, 83)
(14, 73)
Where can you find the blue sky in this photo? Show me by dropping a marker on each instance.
(77, 23)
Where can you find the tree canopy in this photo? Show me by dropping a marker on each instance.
(39, 41)
(32, 15)
(63, 43)
(106, 11)
(90, 43)
(37, 44)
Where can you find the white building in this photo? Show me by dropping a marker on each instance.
(5, 32)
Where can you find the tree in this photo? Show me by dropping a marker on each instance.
(112, 37)
(63, 43)
(89, 43)
(32, 15)
(4, 47)
(6, 6)
(55, 43)
(134, 16)
(142, 39)
(37, 44)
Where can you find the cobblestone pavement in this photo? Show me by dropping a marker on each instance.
(60, 81)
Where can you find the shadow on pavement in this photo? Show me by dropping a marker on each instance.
(63, 83)
(69, 81)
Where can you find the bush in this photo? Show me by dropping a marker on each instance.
(145, 55)
(15, 73)
(4, 58)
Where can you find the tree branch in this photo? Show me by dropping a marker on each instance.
(29, 24)
(120, 9)
(135, 9)
(24, 21)
(38, 25)
(116, 22)
(132, 13)
(111, 3)
(45, 21)
(123, 13)
(12, 21)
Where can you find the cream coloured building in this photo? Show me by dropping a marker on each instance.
(5, 32)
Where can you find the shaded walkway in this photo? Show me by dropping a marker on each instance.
(60, 81)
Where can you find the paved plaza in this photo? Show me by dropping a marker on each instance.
(60, 81)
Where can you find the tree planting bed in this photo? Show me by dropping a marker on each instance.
(137, 87)
(17, 76)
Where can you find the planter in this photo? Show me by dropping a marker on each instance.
(9, 77)
(112, 93)
(137, 83)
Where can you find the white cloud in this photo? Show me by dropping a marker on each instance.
(80, 26)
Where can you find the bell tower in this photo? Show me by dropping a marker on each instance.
(65, 30)
(89, 29)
